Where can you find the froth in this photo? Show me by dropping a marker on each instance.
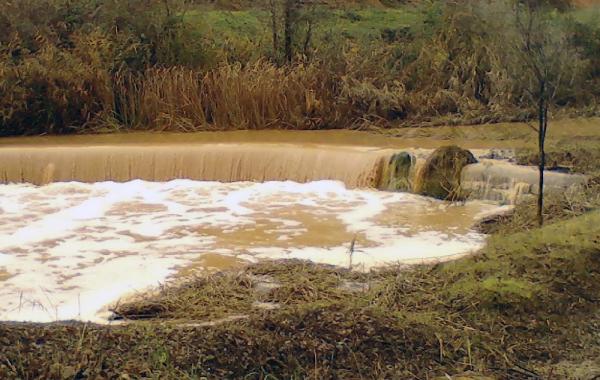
(70, 249)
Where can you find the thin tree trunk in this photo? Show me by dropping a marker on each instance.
(167, 8)
(274, 28)
(287, 19)
(543, 124)
(306, 49)
(540, 202)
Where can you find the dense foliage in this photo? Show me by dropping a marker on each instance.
(100, 65)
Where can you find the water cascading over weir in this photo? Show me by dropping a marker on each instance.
(356, 168)
(224, 163)
(445, 173)
(119, 213)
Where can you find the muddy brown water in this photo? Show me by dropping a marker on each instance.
(485, 136)
(68, 249)
(349, 156)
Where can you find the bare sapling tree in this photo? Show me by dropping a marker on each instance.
(287, 20)
(290, 9)
(547, 58)
(274, 25)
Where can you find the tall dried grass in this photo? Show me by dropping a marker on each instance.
(256, 96)
(160, 99)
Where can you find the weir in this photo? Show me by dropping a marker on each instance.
(357, 166)
(116, 215)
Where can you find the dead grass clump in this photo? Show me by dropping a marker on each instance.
(257, 96)
(161, 99)
(326, 342)
(301, 282)
(36, 97)
(558, 206)
(58, 59)
(261, 96)
(580, 157)
(306, 289)
(341, 341)
(201, 299)
(225, 294)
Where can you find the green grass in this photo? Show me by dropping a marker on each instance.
(246, 23)
(543, 269)
(369, 23)
(253, 25)
(360, 24)
(588, 16)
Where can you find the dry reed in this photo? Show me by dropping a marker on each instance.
(257, 96)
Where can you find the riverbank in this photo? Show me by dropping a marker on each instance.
(525, 307)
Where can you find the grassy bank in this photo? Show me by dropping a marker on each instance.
(350, 23)
(525, 307)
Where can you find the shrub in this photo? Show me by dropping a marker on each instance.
(96, 65)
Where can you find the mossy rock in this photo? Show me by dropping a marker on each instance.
(399, 168)
(396, 172)
(440, 176)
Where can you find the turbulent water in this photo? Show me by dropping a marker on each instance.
(69, 249)
(235, 157)
(355, 166)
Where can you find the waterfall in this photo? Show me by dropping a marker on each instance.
(356, 165)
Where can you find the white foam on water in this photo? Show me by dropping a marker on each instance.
(67, 250)
(4, 258)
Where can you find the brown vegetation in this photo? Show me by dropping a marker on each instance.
(140, 65)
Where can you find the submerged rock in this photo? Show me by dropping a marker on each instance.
(440, 176)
